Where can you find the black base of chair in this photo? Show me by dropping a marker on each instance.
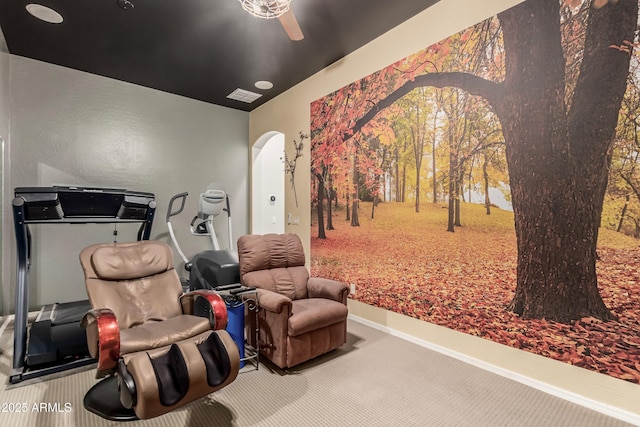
(103, 399)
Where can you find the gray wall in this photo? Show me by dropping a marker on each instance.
(69, 127)
(4, 136)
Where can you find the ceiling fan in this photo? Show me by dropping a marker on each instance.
(280, 9)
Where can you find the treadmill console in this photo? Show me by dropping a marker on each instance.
(57, 203)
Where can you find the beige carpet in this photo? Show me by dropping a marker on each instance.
(374, 380)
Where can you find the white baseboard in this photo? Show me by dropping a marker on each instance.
(595, 404)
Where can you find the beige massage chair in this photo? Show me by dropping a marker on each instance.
(159, 348)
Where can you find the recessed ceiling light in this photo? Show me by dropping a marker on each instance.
(263, 84)
(44, 13)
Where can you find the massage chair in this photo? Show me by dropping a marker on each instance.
(156, 348)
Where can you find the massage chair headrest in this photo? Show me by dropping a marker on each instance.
(137, 260)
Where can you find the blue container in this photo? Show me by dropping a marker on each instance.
(235, 325)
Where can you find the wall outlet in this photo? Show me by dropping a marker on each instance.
(296, 220)
(352, 290)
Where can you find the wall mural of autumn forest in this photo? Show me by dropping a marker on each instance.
(491, 183)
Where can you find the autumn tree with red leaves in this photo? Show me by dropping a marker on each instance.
(557, 131)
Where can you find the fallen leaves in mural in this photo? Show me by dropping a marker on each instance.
(406, 262)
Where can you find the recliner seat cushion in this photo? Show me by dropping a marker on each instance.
(159, 334)
(315, 313)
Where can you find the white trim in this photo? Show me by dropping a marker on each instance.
(603, 408)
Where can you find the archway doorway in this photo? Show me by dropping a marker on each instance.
(267, 184)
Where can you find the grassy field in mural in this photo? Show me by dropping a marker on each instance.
(408, 263)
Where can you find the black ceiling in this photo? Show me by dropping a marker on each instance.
(201, 49)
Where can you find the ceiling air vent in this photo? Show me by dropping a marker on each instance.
(244, 95)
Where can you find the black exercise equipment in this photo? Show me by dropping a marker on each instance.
(55, 341)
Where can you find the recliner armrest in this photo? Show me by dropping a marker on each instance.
(103, 339)
(326, 288)
(216, 305)
(273, 301)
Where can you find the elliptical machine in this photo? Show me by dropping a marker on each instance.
(214, 268)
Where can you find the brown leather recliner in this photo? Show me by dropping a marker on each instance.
(157, 354)
(299, 317)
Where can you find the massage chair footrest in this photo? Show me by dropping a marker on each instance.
(186, 371)
(158, 381)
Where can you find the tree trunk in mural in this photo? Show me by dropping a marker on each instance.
(329, 212)
(557, 156)
(452, 176)
(330, 195)
(458, 190)
(452, 191)
(397, 173)
(374, 205)
(418, 157)
(348, 217)
(623, 213)
(403, 191)
(321, 232)
(355, 222)
(485, 177)
(355, 204)
(434, 178)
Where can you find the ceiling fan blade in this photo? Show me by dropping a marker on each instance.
(290, 25)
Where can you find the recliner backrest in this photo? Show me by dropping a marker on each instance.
(136, 280)
(274, 262)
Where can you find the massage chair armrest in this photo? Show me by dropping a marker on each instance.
(216, 308)
(103, 339)
(273, 301)
(326, 288)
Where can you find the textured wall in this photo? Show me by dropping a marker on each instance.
(4, 137)
(70, 127)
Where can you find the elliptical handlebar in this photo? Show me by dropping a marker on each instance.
(170, 211)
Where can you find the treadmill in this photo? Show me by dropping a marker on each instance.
(55, 341)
